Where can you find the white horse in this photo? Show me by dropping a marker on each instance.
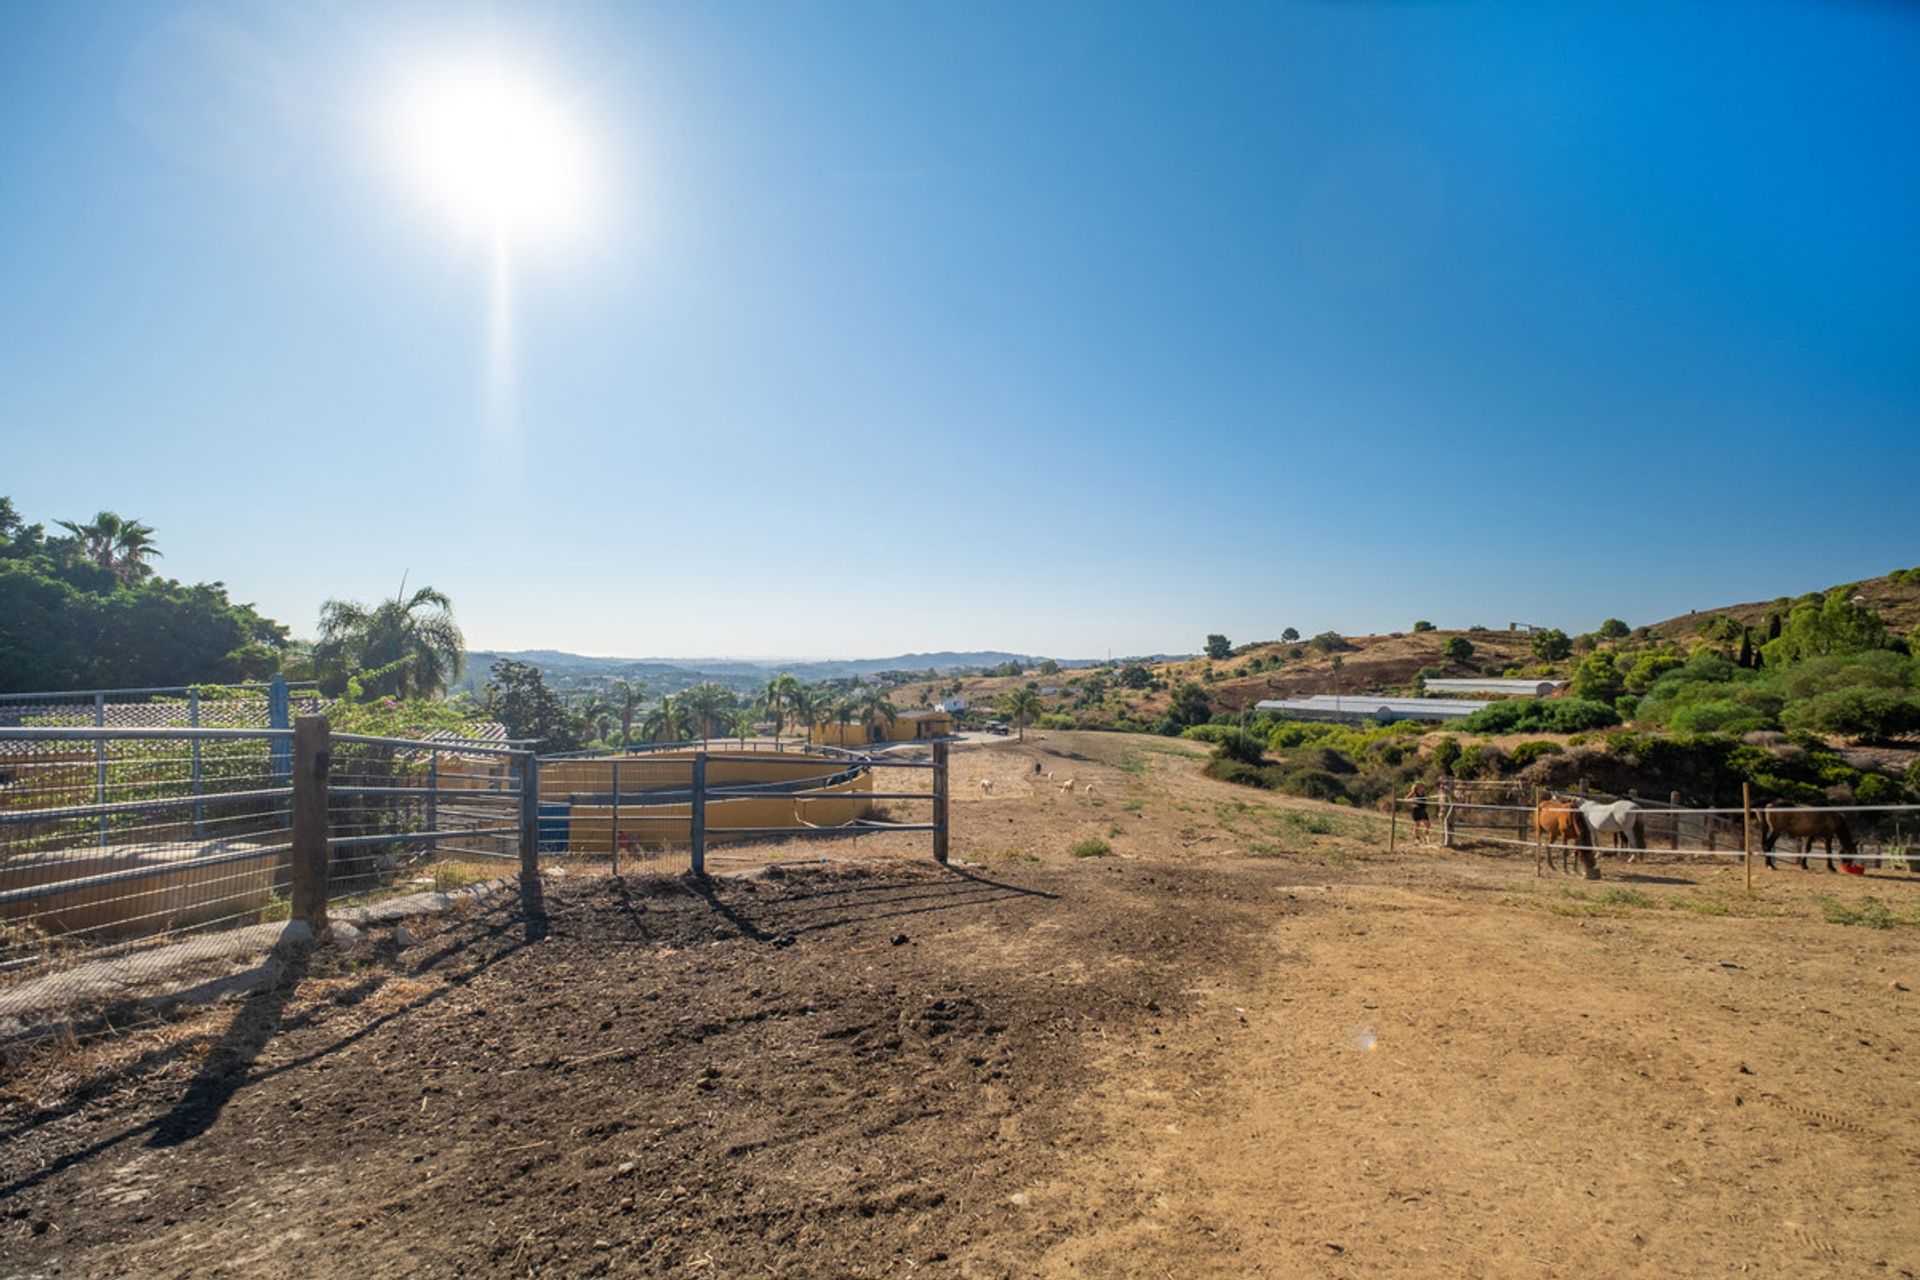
(1621, 820)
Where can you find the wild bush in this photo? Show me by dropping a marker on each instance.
(1527, 752)
(1540, 715)
(1241, 746)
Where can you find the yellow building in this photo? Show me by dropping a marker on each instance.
(907, 726)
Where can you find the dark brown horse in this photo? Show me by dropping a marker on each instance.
(1809, 824)
(1560, 822)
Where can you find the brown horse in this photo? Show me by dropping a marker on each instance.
(1809, 824)
(1560, 822)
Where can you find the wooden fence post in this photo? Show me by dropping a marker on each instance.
(1393, 819)
(940, 846)
(1746, 829)
(312, 761)
(1673, 801)
(529, 818)
(1446, 814)
(1538, 845)
(697, 825)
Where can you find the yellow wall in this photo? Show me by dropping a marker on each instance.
(164, 898)
(673, 771)
(834, 734)
(905, 728)
(932, 724)
(590, 827)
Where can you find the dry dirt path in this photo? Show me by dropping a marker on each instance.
(1421, 1083)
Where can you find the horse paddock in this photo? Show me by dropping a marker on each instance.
(1201, 1063)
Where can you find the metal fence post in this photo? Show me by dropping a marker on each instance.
(1746, 830)
(100, 760)
(1446, 814)
(698, 816)
(312, 760)
(193, 719)
(433, 798)
(614, 839)
(940, 803)
(529, 816)
(278, 712)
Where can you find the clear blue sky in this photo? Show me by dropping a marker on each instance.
(1056, 328)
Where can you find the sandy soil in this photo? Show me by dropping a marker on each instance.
(1245, 1043)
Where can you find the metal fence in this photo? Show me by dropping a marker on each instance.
(115, 843)
(1501, 813)
(677, 806)
(271, 704)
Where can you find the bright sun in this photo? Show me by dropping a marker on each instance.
(497, 153)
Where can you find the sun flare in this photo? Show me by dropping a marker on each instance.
(496, 152)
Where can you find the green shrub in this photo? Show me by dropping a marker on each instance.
(1481, 760)
(1446, 753)
(1877, 788)
(1723, 715)
(1091, 847)
(1540, 715)
(1314, 784)
(1056, 720)
(1857, 712)
(1242, 747)
(1457, 649)
(1527, 752)
(1236, 771)
(1598, 678)
(1422, 625)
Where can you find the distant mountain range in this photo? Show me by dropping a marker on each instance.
(666, 675)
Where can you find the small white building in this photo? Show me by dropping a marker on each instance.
(1495, 688)
(952, 706)
(1358, 709)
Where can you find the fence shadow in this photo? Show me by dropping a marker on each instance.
(227, 1068)
(823, 907)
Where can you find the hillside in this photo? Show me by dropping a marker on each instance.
(1894, 596)
(1386, 663)
(669, 675)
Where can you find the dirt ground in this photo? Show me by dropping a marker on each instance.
(1246, 1041)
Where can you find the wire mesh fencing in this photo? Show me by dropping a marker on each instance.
(127, 854)
(267, 705)
(404, 814)
(111, 836)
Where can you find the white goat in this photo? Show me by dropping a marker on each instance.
(986, 785)
(1066, 787)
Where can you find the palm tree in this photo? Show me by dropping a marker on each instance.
(806, 706)
(844, 711)
(120, 546)
(875, 707)
(778, 697)
(1021, 705)
(669, 721)
(599, 713)
(626, 697)
(404, 647)
(709, 702)
(745, 721)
